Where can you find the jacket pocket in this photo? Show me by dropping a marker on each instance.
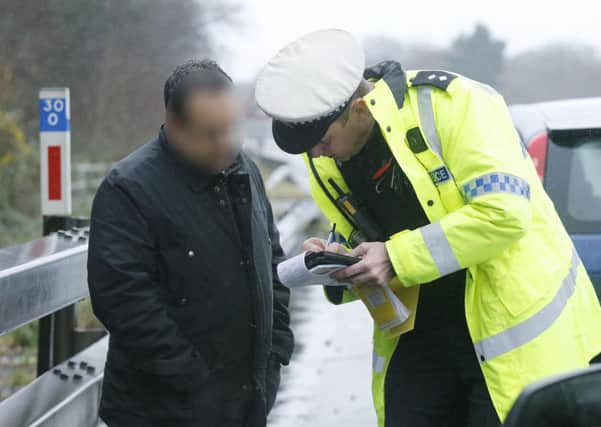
(518, 281)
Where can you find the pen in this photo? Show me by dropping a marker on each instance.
(332, 235)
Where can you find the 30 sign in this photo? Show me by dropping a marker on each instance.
(54, 115)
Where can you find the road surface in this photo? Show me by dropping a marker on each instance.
(328, 382)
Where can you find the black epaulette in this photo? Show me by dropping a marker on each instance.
(437, 78)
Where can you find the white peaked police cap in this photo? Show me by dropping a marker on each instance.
(307, 85)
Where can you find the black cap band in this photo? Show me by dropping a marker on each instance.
(298, 138)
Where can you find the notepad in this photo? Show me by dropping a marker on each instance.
(387, 310)
(294, 273)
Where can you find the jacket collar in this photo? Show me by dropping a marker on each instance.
(196, 178)
(393, 75)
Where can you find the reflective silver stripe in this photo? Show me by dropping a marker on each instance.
(379, 363)
(426, 117)
(532, 327)
(440, 249)
(524, 150)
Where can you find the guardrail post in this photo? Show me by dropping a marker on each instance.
(56, 332)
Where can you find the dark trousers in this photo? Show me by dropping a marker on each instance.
(434, 380)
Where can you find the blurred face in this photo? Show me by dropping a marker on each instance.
(347, 135)
(208, 133)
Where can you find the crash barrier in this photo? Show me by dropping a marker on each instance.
(42, 280)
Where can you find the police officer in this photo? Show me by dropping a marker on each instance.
(427, 181)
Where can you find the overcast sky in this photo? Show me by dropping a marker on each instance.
(269, 24)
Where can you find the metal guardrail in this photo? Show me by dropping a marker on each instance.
(67, 396)
(88, 175)
(294, 222)
(38, 280)
(41, 277)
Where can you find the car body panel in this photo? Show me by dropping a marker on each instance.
(576, 118)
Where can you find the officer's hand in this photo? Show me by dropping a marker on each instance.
(314, 244)
(337, 248)
(374, 269)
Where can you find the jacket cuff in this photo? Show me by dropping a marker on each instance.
(399, 249)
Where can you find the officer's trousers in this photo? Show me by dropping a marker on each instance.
(434, 380)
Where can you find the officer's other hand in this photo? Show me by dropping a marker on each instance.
(374, 269)
(314, 244)
(337, 248)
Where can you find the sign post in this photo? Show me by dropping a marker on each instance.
(55, 332)
(55, 151)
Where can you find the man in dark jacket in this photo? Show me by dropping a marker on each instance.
(181, 270)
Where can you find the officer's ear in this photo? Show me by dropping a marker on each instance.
(359, 111)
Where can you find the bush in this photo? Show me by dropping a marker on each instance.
(20, 218)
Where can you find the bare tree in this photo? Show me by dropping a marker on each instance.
(113, 54)
(478, 55)
(553, 72)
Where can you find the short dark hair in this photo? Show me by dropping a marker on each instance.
(363, 89)
(192, 76)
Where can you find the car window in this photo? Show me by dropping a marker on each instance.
(573, 180)
(584, 188)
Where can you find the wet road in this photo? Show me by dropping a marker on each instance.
(328, 381)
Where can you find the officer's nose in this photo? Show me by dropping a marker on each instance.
(316, 151)
(320, 149)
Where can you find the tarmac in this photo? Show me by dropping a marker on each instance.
(328, 381)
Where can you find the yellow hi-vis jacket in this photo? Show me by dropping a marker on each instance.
(530, 307)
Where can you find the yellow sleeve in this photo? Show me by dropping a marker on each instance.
(482, 150)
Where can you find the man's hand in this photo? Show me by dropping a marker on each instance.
(374, 269)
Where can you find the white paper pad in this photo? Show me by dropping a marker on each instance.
(293, 273)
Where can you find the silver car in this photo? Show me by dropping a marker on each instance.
(564, 141)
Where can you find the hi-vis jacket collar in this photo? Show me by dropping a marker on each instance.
(394, 76)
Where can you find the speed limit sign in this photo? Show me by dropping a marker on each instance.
(55, 151)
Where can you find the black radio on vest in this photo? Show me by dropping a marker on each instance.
(353, 208)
